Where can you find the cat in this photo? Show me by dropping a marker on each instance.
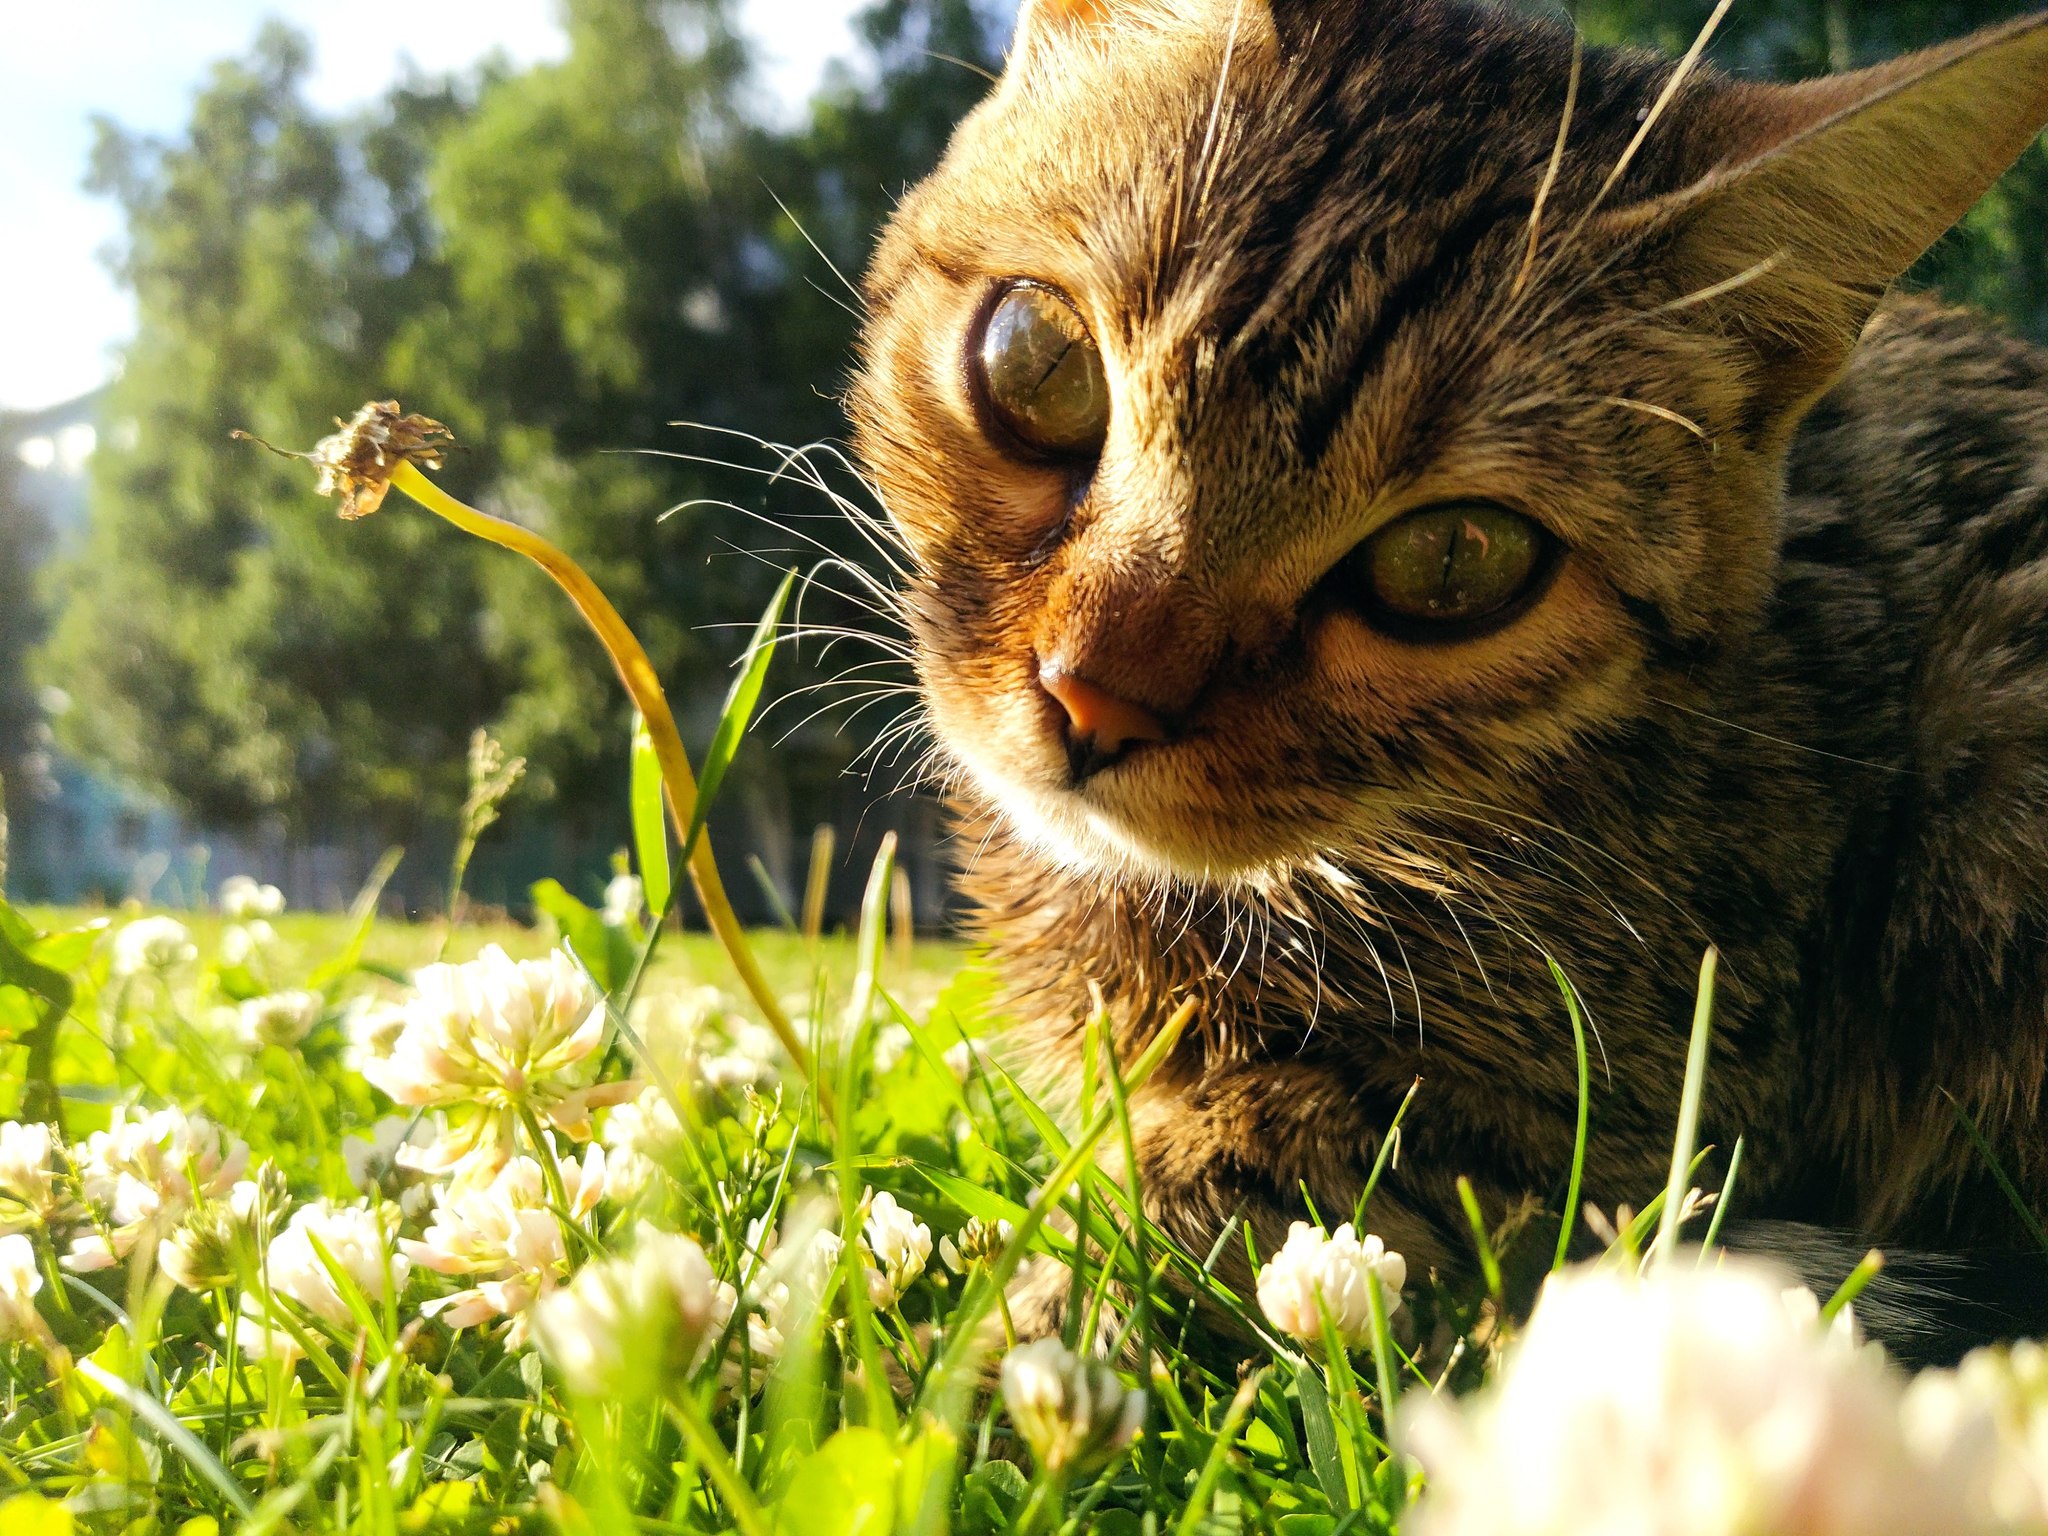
(1397, 498)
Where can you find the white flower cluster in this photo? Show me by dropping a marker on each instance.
(141, 1176)
(504, 1236)
(329, 1260)
(20, 1280)
(1708, 1401)
(494, 1042)
(244, 900)
(153, 946)
(1318, 1275)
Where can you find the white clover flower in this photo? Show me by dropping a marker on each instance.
(152, 945)
(1317, 1274)
(32, 1188)
(625, 1325)
(492, 1039)
(282, 1019)
(243, 899)
(143, 1173)
(505, 1236)
(1698, 1401)
(1076, 1415)
(242, 943)
(672, 1027)
(980, 1242)
(358, 1241)
(625, 899)
(1983, 1427)
(890, 1042)
(640, 1138)
(900, 1246)
(377, 1166)
(785, 1278)
(20, 1279)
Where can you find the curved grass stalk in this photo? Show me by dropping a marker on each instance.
(637, 673)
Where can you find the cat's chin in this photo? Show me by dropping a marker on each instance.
(1085, 832)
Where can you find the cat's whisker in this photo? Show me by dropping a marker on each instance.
(831, 265)
(1780, 741)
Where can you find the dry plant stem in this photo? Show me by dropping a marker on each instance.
(641, 682)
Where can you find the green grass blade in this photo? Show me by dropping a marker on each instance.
(1721, 1203)
(2027, 1218)
(1689, 1105)
(1571, 1194)
(650, 826)
(738, 713)
(174, 1434)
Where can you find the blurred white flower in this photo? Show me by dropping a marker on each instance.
(372, 1026)
(244, 943)
(625, 899)
(504, 1235)
(491, 1040)
(152, 945)
(1317, 1274)
(243, 899)
(890, 1042)
(32, 1188)
(143, 1173)
(1984, 1427)
(20, 1279)
(221, 1238)
(964, 1061)
(281, 1019)
(623, 1326)
(900, 1246)
(672, 1028)
(1699, 1401)
(357, 1240)
(980, 1242)
(376, 1166)
(785, 1278)
(640, 1139)
(1076, 1415)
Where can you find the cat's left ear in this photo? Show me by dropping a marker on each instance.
(1830, 190)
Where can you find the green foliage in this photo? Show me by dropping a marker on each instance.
(1998, 258)
(558, 262)
(225, 646)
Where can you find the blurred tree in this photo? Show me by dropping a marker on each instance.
(1998, 257)
(227, 642)
(22, 536)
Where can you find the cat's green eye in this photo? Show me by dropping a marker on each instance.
(1041, 373)
(1458, 563)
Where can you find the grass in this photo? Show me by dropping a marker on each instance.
(145, 1414)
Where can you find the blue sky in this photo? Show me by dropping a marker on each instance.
(139, 61)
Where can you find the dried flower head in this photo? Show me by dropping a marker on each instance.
(359, 460)
(1075, 1414)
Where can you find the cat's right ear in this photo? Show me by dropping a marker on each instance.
(1830, 190)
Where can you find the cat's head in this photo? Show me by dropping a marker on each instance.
(1298, 407)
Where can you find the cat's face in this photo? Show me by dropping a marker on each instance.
(1260, 481)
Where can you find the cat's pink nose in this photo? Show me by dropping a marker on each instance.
(1100, 727)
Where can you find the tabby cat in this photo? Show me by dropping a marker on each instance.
(1397, 498)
